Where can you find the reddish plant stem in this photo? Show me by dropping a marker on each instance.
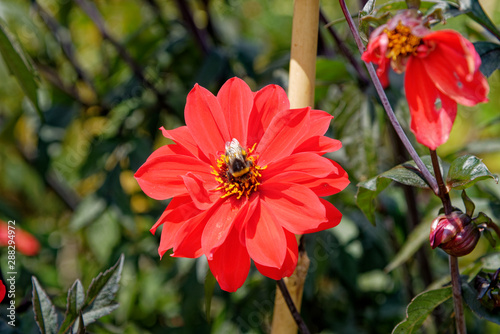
(456, 283)
(387, 106)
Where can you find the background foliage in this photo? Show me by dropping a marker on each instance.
(105, 75)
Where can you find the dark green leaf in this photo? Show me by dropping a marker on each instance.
(467, 170)
(209, 292)
(45, 312)
(415, 240)
(103, 288)
(81, 325)
(367, 192)
(470, 297)
(406, 173)
(468, 203)
(18, 67)
(490, 56)
(476, 12)
(420, 307)
(76, 297)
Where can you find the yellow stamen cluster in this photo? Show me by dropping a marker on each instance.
(239, 183)
(401, 41)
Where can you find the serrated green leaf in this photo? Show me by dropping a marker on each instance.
(419, 309)
(470, 299)
(103, 288)
(476, 12)
(45, 312)
(18, 68)
(209, 292)
(416, 239)
(490, 56)
(406, 173)
(91, 316)
(465, 171)
(76, 297)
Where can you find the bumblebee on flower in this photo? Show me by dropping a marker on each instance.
(245, 175)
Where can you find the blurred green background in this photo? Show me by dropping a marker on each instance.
(107, 81)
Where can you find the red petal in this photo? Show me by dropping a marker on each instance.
(430, 125)
(3, 290)
(268, 102)
(180, 209)
(231, 263)
(282, 135)
(311, 164)
(187, 241)
(289, 264)
(160, 177)
(205, 120)
(326, 185)
(230, 213)
(265, 238)
(332, 214)
(375, 53)
(319, 145)
(26, 243)
(298, 208)
(182, 137)
(320, 122)
(451, 67)
(202, 198)
(169, 150)
(236, 100)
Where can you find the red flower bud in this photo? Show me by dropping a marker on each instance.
(455, 234)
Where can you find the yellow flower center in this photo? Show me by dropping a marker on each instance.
(236, 171)
(401, 42)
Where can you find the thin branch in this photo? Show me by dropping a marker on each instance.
(456, 286)
(64, 38)
(364, 81)
(293, 310)
(387, 106)
(95, 16)
(443, 191)
(456, 283)
(199, 34)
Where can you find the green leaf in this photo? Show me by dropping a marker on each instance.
(18, 68)
(209, 292)
(490, 56)
(87, 211)
(45, 312)
(476, 12)
(406, 173)
(103, 288)
(416, 239)
(76, 297)
(468, 203)
(465, 171)
(470, 297)
(81, 325)
(419, 309)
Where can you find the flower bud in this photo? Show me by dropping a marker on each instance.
(455, 234)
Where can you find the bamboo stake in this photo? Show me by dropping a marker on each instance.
(301, 94)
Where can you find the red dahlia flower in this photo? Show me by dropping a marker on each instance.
(244, 177)
(442, 69)
(23, 241)
(3, 290)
